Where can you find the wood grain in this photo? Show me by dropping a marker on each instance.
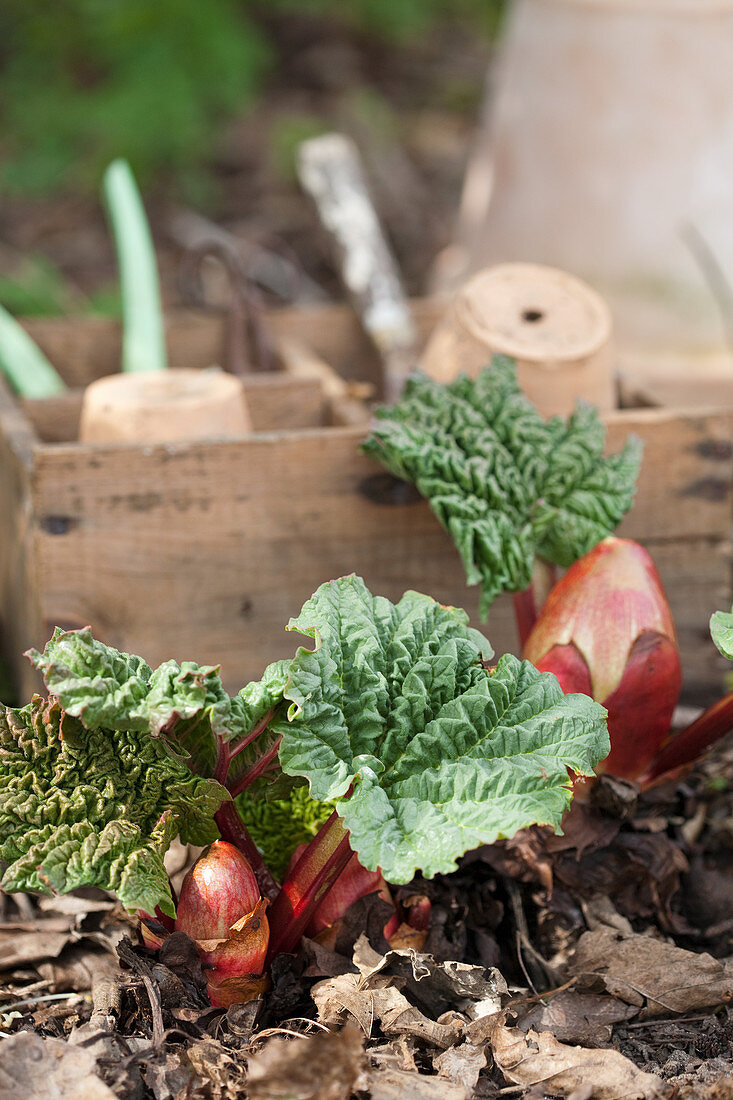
(204, 551)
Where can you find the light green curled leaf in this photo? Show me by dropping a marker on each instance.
(507, 485)
(279, 825)
(187, 703)
(99, 807)
(23, 362)
(721, 628)
(427, 752)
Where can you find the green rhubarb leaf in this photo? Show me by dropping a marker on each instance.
(507, 485)
(426, 751)
(185, 703)
(82, 807)
(721, 628)
(279, 825)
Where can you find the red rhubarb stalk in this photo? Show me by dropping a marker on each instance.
(226, 753)
(259, 768)
(307, 884)
(684, 748)
(529, 603)
(525, 613)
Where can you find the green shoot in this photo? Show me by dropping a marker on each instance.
(23, 362)
(143, 342)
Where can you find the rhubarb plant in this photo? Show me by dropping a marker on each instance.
(507, 485)
(393, 716)
(607, 630)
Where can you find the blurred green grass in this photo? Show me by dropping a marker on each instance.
(84, 81)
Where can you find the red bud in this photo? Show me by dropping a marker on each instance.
(607, 630)
(218, 890)
(221, 909)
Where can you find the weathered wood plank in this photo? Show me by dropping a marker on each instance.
(20, 615)
(205, 552)
(685, 487)
(83, 349)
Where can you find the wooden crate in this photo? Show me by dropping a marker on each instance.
(203, 551)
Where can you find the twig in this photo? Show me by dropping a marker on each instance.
(667, 1021)
(523, 940)
(37, 1000)
(268, 1032)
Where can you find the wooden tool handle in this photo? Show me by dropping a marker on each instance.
(330, 170)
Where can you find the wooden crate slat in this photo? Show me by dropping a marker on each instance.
(274, 400)
(205, 550)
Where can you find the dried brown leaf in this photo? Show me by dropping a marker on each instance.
(33, 1068)
(72, 906)
(171, 1078)
(435, 986)
(651, 973)
(396, 1054)
(381, 1002)
(77, 969)
(461, 1065)
(395, 1084)
(215, 1067)
(578, 1017)
(539, 1059)
(18, 948)
(326, 1066)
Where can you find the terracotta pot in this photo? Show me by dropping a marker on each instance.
(556, 328)
(162, 406)
(607, 150)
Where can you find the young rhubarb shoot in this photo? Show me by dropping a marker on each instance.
(393, 717)
(508, 486)
(23, 362)
(607, 630)
(220, 908)
(143, 340)
(683, 748)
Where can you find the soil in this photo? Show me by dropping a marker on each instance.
(595, 964)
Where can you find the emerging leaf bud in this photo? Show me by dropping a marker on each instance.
(606, 630)
(220, 908)
(155, 928)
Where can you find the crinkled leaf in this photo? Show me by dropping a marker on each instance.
(94, 808)
(279, 825)
(721, 628)
(506, 484)
(187, 703)
(442, 753)
(252, 709)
